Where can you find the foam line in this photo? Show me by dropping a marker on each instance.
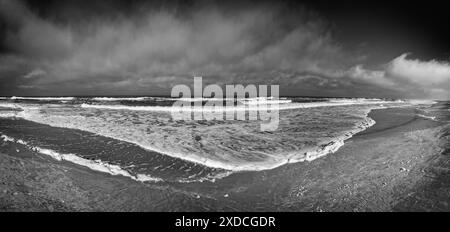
(43, 98)
(256, 107)
(10, 106)
(96, 165)
(338, 142)
(427, 117)
(120, 98)
(262, 102)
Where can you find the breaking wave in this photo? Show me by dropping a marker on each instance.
(43, 98)
(120, 98)
(253, 105)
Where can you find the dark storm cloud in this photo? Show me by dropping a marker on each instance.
(149, 48)
(159, 43)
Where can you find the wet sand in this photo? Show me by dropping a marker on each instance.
(400, 164)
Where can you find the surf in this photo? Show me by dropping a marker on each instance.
(222, 157)
(96, 165)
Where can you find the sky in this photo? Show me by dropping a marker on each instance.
(310, 48)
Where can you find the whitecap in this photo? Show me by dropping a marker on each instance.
(43, 98)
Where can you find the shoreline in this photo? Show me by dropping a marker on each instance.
(32, 182)
(307, 154)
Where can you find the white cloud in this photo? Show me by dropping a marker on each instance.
(377, 77)
(425, 73)
(411, 76)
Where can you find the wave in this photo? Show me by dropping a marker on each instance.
(10, 106)
(433, 118)
(355, 100)
(210, 178)
(179, 108)
(217, 108)
(295, 156)
(263, 101)
(29, 114)
(197, 99)
(336, 143)
(320, 150)
(120, 98)
(421, 102)
(10, 110)
(8, 114)
(44, 98)
(158, 99)
(95, 165)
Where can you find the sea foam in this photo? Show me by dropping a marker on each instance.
(179, 145)
(253, 106)
(43, 98)
(120, 98)
(96, 165)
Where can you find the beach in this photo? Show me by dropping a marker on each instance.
(399, 164)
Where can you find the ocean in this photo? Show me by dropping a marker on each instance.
(136, 137)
